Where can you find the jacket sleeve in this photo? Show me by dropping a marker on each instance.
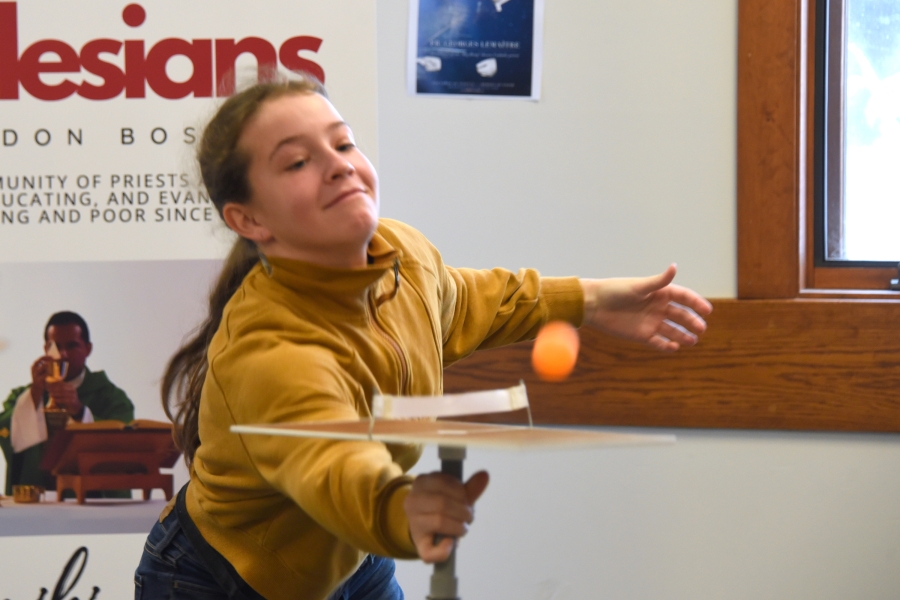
(7, 410)
(351, 488)
(490, 308)
(5, 424)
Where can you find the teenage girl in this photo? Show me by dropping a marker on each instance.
(319, 305)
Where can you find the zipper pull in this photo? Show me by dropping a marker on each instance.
(392, 294)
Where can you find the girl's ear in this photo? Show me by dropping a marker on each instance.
(240, 219)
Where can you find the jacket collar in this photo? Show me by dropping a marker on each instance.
(348, 287)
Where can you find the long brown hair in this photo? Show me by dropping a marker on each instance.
(223, 167)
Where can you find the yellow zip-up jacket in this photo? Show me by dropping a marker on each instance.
(308, 343)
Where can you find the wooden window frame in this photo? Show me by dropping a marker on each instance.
(801, 348)
(776, 111)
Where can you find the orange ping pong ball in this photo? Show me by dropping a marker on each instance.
(555, 351)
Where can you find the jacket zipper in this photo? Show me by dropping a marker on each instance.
(398, 351)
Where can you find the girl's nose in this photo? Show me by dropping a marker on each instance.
(340, 166)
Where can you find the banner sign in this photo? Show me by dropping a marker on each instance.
(102, 211)
(475, 48)
(68, 567)
(102, 103)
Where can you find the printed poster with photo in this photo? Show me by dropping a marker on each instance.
(475, 48)
(102, 211)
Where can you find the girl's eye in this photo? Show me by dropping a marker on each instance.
(294, 166)
(346, 146)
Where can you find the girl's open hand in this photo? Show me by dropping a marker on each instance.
(651, 310)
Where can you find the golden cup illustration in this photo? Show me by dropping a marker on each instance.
(56, 416)
(27, 494)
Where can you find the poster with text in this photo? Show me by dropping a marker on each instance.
(102, 213)
(475, 48)
(102, 103)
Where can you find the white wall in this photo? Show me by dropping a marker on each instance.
(625, 165)
(736, 515)
(628, 163)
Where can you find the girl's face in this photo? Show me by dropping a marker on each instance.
(314, 195)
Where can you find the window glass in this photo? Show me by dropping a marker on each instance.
(871, 137)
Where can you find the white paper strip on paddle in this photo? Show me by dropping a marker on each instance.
(449, 405)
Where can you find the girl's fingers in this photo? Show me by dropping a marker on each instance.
(430, 552)
(690, 299)
(676, 334)
(685, 318)
(440, 508)
(476, 485)
(655, 282)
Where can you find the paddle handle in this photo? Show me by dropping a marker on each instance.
(443, 581)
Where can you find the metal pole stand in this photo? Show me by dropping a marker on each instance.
(443, 580)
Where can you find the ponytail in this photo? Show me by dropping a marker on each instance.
(186, 371)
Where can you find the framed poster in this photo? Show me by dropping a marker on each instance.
(475, 48)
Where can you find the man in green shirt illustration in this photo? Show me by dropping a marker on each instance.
(85, 395)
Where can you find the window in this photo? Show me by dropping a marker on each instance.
(777, 216)
(857, 133)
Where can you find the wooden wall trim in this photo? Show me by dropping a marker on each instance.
(766, 364)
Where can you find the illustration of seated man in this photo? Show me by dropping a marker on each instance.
(61, 386)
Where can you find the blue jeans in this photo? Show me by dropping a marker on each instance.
(373, 580)
(171, 569)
